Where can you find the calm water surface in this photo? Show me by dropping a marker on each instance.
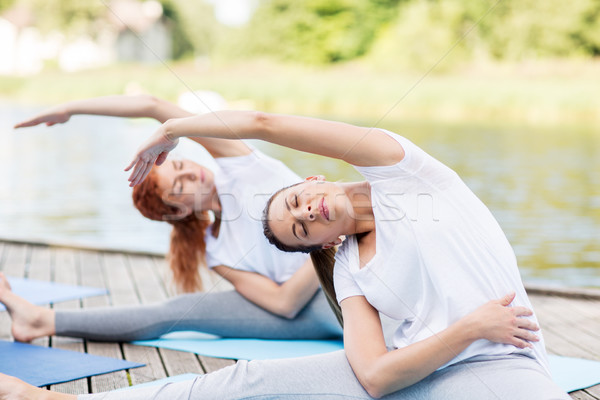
(66, 183)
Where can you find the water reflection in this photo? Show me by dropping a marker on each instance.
(543, 186)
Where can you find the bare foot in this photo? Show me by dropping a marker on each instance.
(28, 320)
(12, 388)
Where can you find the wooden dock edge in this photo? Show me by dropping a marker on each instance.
(572, 293)
(79, 246)
(568, 292)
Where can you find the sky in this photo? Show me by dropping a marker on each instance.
(233, 12)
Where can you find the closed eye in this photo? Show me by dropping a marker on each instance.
(296, 200)
(304, 230)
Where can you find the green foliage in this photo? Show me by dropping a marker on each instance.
(316, 31)
(525, 29)
(515, 30)
(193, 25)
(69, 16)
(424, 34)
(6, 4)
(391, 34)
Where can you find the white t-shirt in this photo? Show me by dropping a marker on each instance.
(440, 253)
(244, 184)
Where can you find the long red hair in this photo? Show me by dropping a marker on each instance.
(187, 248)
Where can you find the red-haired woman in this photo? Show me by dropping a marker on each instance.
(276, 294)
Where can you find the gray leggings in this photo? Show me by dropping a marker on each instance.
(225, 314)
(329, 376)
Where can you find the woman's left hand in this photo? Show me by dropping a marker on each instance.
(498, 322)
(154, 151)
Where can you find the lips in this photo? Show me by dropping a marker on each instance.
(323, 209)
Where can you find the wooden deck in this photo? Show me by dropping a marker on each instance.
(570, 319)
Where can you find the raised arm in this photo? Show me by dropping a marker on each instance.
(355, 145)
(285, 300)
(138, 106)
(382, 372)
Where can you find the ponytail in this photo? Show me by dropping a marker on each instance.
(323, 261)
(187, 251)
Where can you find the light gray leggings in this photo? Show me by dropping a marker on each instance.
(225, 314)
(329, 376)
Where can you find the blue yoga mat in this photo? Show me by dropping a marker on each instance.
(41, 366)
(244, 349)
(574, 373)
(42, 292)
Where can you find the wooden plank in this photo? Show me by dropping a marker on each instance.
(154, 368)
(3, 253)
(566, 292)
(594, 391)
(73, 245)
(558, 316)
(92, 273)
(65, 271)
(208, 364)
(180, 362)
(163, 273)
(124, 292)
(151, 289)
(39, 268)
(212, 364)
(15, 261)
(582, 395)
(145, 281)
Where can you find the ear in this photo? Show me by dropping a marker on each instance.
(319, 178)
(332, 244)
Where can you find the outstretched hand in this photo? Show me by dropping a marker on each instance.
(154, 151)
(50, 117)
(500, 323)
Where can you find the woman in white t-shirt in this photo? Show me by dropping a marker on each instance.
(419, 247)
(276, 295)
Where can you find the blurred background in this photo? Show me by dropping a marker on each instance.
(505, 92)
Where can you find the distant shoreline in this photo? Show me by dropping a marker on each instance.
(535, 93)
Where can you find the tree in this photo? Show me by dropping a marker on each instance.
(316, 31)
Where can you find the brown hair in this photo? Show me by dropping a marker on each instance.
(187, 248)
(323, 261)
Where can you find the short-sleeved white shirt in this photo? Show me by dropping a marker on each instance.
(244, 184)
(440, 253)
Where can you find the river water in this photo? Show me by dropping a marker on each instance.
(66, 183)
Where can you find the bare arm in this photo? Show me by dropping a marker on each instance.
(353, 144)
(139, 106)
(382, 372)
(285, 300)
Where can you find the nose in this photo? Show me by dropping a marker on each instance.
(307, 213)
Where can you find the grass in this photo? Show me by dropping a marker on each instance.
(535, 93)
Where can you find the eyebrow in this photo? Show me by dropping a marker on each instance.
(293, 225)
(286, 204)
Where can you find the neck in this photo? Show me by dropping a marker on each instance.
(359, 194)
(215, 202)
